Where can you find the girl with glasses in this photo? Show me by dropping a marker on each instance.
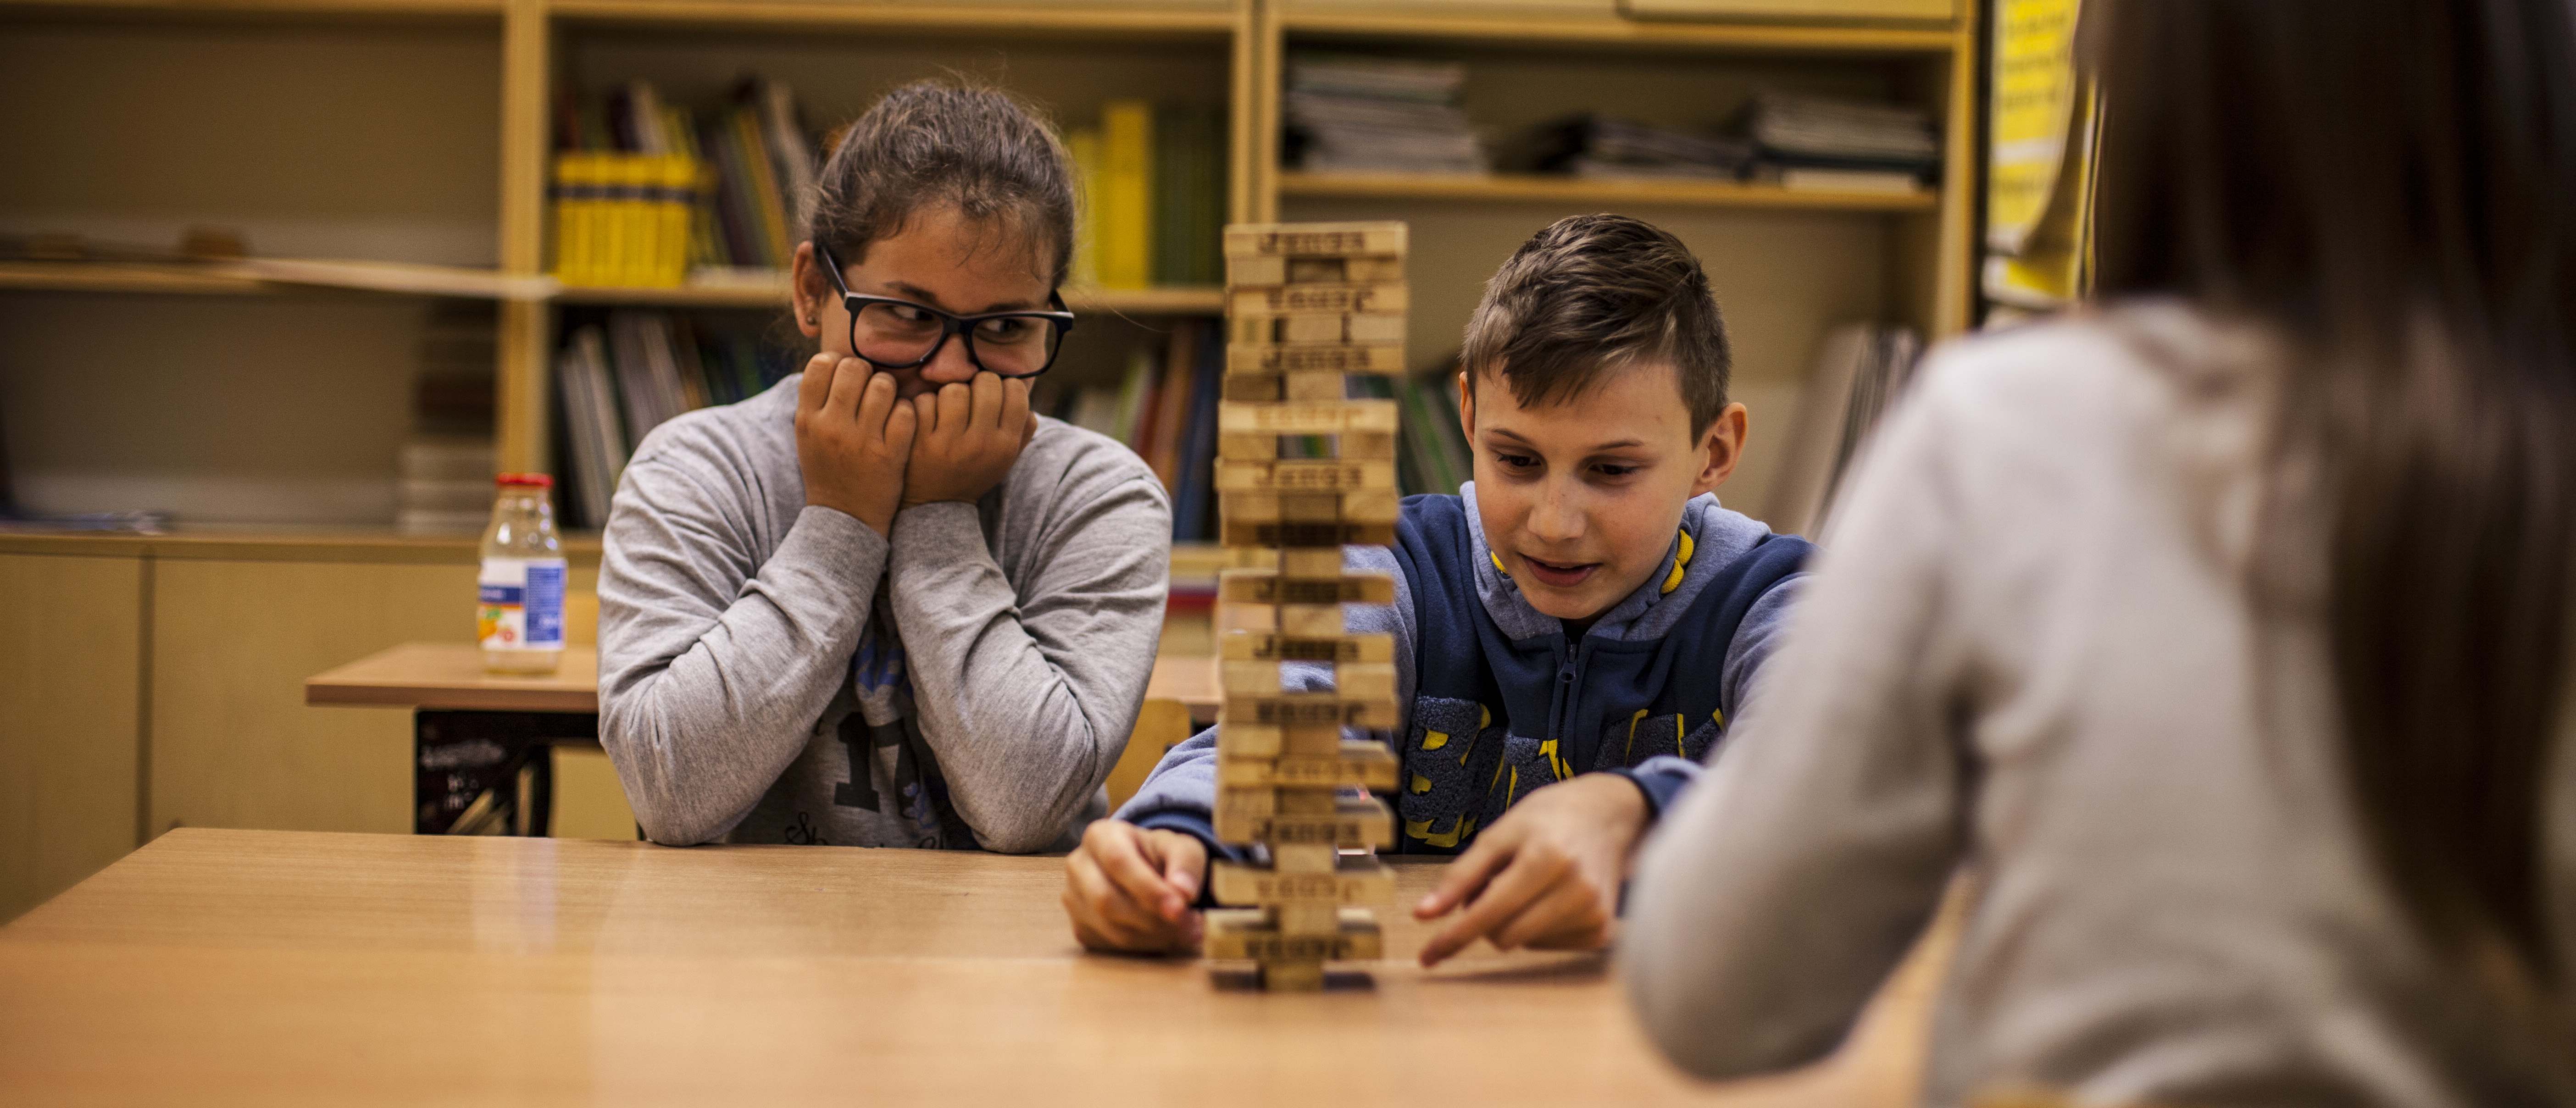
(884, 603)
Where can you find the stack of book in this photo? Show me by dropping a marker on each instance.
(730, 192)
(1822, 142)
(1858, 375)
(1152, 179)
(1352, 113)
(446, 462)
(1164, 409)
(622, 374)
(1608, 147)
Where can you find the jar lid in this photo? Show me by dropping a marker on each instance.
(531, 480)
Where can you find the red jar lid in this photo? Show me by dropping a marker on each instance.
(530, 480)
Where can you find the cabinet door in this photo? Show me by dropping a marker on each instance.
(233, 743)
(70, 656)
(1791, 9)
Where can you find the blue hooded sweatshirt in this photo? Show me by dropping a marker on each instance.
(1493, 700)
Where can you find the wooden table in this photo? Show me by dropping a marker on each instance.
(474, 734)
(280, 968)
(480, 742)
(450, 676)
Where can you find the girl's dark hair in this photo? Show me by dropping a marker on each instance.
(930, 143)
(2391, 186)
(1590, 294)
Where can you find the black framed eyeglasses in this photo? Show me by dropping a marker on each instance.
(899, 334)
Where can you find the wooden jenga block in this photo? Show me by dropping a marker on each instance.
(1303, 858)
(1310, 563)
(1252, 933)
(1308, 620)
(1330, 357)
(1347, 328)
(1357, 880)
(1348, 446)
(1364, 822)
(1321, 475)
(1261, 586)
(1268, 388)
(1359, 506)
(1308, 417)
(1245, 739)
(1369, 299)
(1356, 679)
(1246, 271)
(1362, 764)
(1252, 646)
(1312, 709)
(1314, 240)
(1261, 533)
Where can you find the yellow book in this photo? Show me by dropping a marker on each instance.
(1127, 194)
(671, 210)
(572, 219)
(1083, 147)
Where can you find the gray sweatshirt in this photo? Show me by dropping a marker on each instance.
(771, 672)
(2027, 650)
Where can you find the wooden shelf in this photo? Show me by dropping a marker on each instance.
(1610, 31)
(1183, 20)
(272, 275)
(280, 544)
(326, 11)
(1577, 190)
(1161, 300)
(264, 277)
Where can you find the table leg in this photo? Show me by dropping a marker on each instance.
(467, 767)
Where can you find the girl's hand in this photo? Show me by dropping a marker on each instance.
(970, 435)
(854, 439)
(1544, 876)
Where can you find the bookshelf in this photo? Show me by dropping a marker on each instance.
(435, 118)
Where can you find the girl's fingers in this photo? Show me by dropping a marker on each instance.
(902, 424)
(987, 392)
(853, 382)
(956, 409)
(816, 384)
(875, 400)
(1015, 409)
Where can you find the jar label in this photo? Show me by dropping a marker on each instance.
(522, 604)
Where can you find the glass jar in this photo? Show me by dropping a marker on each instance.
(520, 617)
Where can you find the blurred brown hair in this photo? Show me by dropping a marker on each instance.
(2391, 184)
(1594, 293)
(931, 143)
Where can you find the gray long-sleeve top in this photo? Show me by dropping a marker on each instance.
(773, 672)
(2026, 648)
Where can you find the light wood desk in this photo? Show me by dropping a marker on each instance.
(265, 967)
(450, 676)
(455, 706)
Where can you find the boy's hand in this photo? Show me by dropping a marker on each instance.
(1546, 875)
(1130, 889)
(853, 439)
(970, 435)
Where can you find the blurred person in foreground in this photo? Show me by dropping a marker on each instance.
(2220, 630)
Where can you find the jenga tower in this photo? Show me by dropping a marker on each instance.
(1306, 305)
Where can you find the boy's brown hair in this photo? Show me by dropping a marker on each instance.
(1593, 294)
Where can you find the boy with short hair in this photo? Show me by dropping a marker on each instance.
(1572, 631)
